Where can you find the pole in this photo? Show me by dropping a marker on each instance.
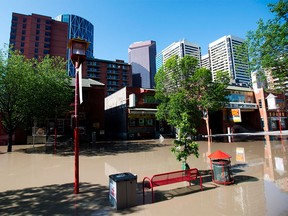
(279, 120)
(76, 134)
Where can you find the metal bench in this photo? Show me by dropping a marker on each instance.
(170, 178)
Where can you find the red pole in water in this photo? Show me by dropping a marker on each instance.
(279, 120)
(76, 135)
(78, 49)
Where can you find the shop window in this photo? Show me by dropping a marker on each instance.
(141, 121)
(131, 121)
(149, 122)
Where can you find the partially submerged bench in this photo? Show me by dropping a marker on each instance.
(170, 178)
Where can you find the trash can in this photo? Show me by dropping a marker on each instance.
(221, 167)
(122, 190)
(221, 171)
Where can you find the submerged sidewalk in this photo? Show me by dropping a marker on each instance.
(42, 184)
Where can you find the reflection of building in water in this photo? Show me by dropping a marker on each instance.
(275, 167)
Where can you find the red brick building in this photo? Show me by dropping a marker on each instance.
(114, 74)
(36, 35)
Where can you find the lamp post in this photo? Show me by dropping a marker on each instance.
(78, 49)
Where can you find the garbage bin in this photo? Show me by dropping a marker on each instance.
(221, 167)
(221, 171)
(122, 190)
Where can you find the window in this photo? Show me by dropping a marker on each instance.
(46, 52)
(23, 32)
(22, 44)
(24, 26)
(37, 32)
(14, 18)
(260, 103)
(36, 50)
(37, 38)
(149, 122)
(141, 121)
(23, 38)
(38, 25)
(36, 44)
(131, 121)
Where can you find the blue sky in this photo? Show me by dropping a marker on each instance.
(119, 23)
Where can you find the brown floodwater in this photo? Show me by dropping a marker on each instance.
(35, 183)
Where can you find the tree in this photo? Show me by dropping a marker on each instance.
(185, 92)
(31, 89)
(268, 44)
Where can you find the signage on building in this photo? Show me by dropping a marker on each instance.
(240, 154)
(235, 115)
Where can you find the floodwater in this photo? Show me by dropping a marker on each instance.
(35, 183)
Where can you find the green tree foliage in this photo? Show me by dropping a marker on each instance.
(31, 89)
(185, 92)
(268, 44)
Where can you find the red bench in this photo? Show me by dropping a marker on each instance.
(170, 178)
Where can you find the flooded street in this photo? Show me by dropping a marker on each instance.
(36, 183)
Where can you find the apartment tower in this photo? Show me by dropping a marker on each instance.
(225, 55)
(36, 36)
(180, 49)
(142, 57)
(114, 74)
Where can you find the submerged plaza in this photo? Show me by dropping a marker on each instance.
(37, 183)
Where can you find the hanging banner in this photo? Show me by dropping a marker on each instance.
(80, 84)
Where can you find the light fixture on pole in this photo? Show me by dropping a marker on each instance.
(78, 49)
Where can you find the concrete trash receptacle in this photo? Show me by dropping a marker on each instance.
(122, 190)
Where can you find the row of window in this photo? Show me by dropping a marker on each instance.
(134, 122)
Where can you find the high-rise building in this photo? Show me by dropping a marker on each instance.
(205, 61)
(114, 74)
(78, 27)
(225, 55)
(180, 49)
(142, 57)
(159, 61)
(36, 35)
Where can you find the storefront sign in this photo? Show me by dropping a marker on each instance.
(236, 115)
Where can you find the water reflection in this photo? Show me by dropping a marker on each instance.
(275, 167)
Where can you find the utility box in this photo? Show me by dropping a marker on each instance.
(122, 190)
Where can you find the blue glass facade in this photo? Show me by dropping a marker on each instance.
(78, 27)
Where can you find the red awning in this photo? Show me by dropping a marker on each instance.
(219, 155)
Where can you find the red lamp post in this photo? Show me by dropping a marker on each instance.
(78, 49)
(279, 119)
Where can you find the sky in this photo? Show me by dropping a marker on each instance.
(119, 23)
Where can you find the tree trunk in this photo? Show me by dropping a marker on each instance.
(10, 139)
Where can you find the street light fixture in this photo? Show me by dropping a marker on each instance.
(78, 49)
